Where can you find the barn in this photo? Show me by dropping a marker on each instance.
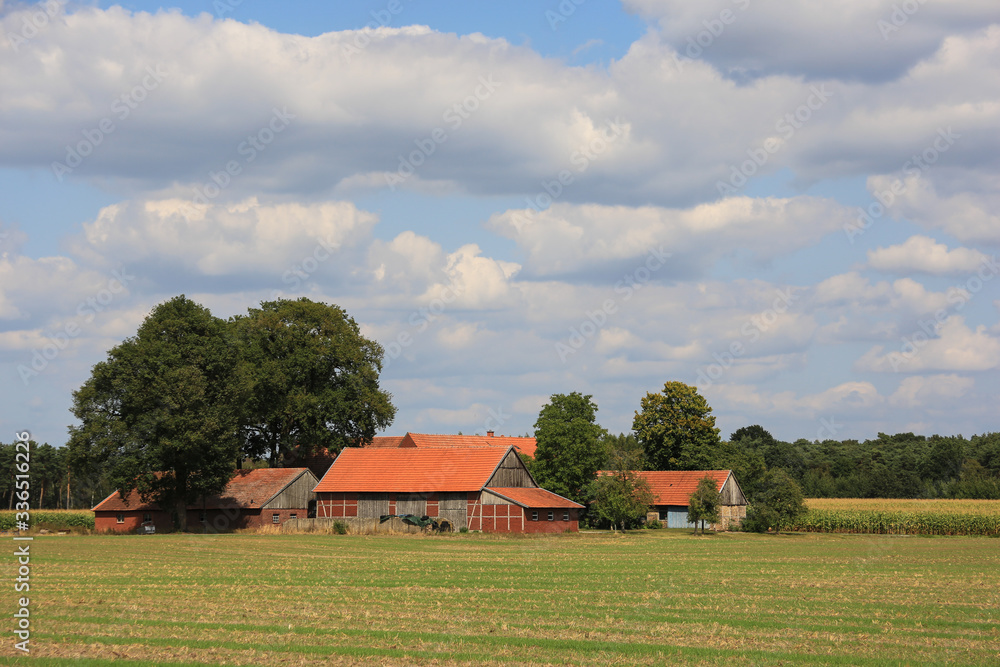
(260, 497)
(480, 488)
(672, 489)
(319, 461)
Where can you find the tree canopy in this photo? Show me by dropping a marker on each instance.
(314, 380)
(175, 407)
(778, 504)
(621, 495)
(161, 413)
(570, 445)
(677, 429)
(703, 504)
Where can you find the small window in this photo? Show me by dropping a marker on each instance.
(566, 516)
(293, 516)
(147, 517)
(121, 518)
(275, 518)
(534, 516)
(552, 516)
(203, 517)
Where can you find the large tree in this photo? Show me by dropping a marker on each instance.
(677, 429)
(315, 380)
(570, 445)
(160, 415)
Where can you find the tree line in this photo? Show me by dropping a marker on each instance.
(674, 429)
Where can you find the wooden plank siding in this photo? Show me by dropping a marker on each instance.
(511, 473)
(373, 505)
(411, 503)
(731, 493)
(455, 508)
(294, 496)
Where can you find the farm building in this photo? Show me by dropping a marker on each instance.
(672, 489)
(481, 488)
(319, 462)
(265, 496)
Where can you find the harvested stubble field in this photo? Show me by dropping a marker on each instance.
(649, 598)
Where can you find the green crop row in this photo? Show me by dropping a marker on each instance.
(896, 523)
(51, 519)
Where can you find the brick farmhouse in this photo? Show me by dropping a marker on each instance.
(253, 498)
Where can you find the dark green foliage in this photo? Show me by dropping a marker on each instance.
(779, 504)
(313, 380)
(340, 527)
(703, 505)
(676, 429)
(571, 445)
(165, 400)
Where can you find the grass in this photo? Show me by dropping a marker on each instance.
(649, 598)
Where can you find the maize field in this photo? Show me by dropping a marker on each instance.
(900, 517)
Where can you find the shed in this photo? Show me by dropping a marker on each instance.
(480, 488)
(252, 498)
(673, 488)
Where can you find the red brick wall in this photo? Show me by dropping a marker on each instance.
(557, 525)
(107, 522)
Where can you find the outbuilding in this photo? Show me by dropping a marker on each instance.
(672, 490)
(479, 488)
(252, 498)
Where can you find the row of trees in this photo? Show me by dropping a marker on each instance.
(175, 408)
(675, 430)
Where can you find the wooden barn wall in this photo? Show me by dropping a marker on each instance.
(295, 496)
(372, 505)
(511, 474)
(731, 494)
(454, 508)
(411, 503)
(490, 499)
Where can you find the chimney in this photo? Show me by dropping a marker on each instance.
(489, 434)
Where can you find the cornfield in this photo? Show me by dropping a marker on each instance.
(52, 519)
(889, 522)
(935, 506)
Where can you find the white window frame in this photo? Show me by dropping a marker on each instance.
(276, 518)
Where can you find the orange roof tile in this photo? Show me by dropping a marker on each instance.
(411, 470)
(674, 487)
(391, 441)
(534, 498)
(247, 488)
(523, 445)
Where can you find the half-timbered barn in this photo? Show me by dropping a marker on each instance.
(672, 490)
(319, 461)
(480, 488)
(252, 498)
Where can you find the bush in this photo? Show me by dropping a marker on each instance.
(655, 524)
(463, 529)
(340, 527)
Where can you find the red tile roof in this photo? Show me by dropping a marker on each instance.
(534, 498)
(391, 441)
(522, 444)
(247, 488)
(674, 487)
(411, 470)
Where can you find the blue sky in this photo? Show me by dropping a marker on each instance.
(522, 198)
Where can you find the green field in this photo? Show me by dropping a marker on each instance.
(649, 598)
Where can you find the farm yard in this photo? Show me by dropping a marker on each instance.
(649, 597)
